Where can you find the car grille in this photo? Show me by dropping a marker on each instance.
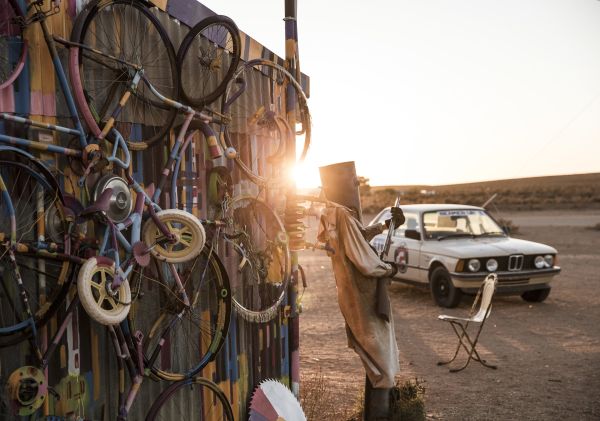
(512, 263)
(515, 262)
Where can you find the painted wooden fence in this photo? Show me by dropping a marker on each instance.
(83, 371)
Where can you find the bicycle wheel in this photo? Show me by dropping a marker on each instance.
(102, 307)
(257, 244)
(195, 398)
(40, 222)
(13, 47)
(129, 31)
(188, 231)
(180, 338)
(256, 100)
(207, 57)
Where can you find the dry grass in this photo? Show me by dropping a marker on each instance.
(407, 402)
(316, 396)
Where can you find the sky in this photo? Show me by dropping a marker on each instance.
(443, 92)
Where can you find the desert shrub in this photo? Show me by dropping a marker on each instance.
(316, 394)
(356, 413)
(407, 402)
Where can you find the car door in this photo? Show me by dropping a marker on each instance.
(406, 251)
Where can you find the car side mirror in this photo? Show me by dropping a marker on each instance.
(506, 229)
(413, 234)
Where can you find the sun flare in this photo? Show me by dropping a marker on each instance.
(306, 175)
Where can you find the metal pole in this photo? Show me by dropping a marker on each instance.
(291, 63)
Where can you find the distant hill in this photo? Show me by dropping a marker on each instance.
(551, 192)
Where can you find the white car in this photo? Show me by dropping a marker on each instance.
(452, 248)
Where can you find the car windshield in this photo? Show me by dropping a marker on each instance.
(455, 223)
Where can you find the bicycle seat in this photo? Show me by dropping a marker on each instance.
(101, 204)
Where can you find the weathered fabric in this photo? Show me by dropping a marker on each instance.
(357, 267)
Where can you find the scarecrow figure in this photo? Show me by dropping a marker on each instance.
(358, 270)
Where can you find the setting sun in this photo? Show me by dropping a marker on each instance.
(306, 175)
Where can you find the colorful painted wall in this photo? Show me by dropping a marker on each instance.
(83, 371)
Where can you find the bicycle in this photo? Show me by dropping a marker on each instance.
(262, 118)
(170, 244)
(252, 235)
(100, 82)
(171, 311)
(27, 390)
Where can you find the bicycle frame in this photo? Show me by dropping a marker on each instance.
(39, 16)
(122, 349)
(87, 153)
(128, 346)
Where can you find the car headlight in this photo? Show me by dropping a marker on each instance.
(474, 265)
(549, 260)
(492, 265)
(539, 262)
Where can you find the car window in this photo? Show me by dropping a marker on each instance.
(411, 222)
(459, 222)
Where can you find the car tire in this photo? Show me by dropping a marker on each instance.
(443, 292)
(536, 296)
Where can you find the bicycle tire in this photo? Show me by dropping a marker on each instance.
(13, 46)
(44, 278)
(217, 40)
(181, 396)
(198, 335)
(99, 83)
(258, 249)
(264, 91)
(186, 227)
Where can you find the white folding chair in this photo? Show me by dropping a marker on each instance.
(460, 324)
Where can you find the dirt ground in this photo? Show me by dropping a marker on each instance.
(548, 354)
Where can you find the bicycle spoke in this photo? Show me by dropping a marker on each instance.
(207, 57)
(129, 31)
(39, 219)
(192, 329)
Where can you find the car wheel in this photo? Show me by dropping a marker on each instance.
(443, 292)
(536, 296)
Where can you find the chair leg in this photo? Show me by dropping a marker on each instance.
(457, 347)
(464, 335)
(469, 347)
(460, 340)
(472, 351)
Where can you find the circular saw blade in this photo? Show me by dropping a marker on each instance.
(272, 401)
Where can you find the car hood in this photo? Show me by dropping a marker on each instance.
(485, 247)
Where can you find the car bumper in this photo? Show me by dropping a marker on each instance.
(508, 282)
